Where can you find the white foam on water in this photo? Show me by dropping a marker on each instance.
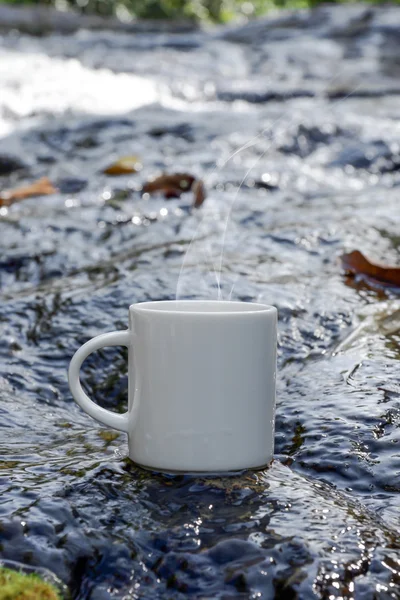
(34, 83)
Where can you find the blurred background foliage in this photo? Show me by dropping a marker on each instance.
(202, 10)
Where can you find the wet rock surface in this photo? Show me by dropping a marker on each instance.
(311, 99)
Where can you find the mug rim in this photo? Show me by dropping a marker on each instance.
(228, 307)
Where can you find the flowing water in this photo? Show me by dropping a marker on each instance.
(318, 95)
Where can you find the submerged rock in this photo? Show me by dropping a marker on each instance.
(9, 164)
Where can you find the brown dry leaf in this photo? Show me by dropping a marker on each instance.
(172, 186)
(124, 166)
(41, 187)
(199, 193)
(356, 264)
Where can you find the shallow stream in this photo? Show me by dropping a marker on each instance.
(314, 98)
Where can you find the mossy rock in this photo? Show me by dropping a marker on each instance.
(19, 586)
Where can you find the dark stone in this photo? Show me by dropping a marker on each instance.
(87, 142)
(233, 550)
(258, 95)
(264, 185)
(46, 159)
(71, 185)
(101, 124)
(9, 164)
(182, 130)
(366, 156)
(306, 139)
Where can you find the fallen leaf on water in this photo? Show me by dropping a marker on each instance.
(124, 166)
(172, 186)
(41, 187)
(199, 192)
(357, 264)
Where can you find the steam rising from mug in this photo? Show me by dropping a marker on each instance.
(203, 274)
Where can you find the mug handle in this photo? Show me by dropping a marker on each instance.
(106, 417)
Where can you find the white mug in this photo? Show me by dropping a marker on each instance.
(201, 385)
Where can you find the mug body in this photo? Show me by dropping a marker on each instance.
(202, 385)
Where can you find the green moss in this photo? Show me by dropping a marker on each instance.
(19, 586)
(108, 436)
(8, 464)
